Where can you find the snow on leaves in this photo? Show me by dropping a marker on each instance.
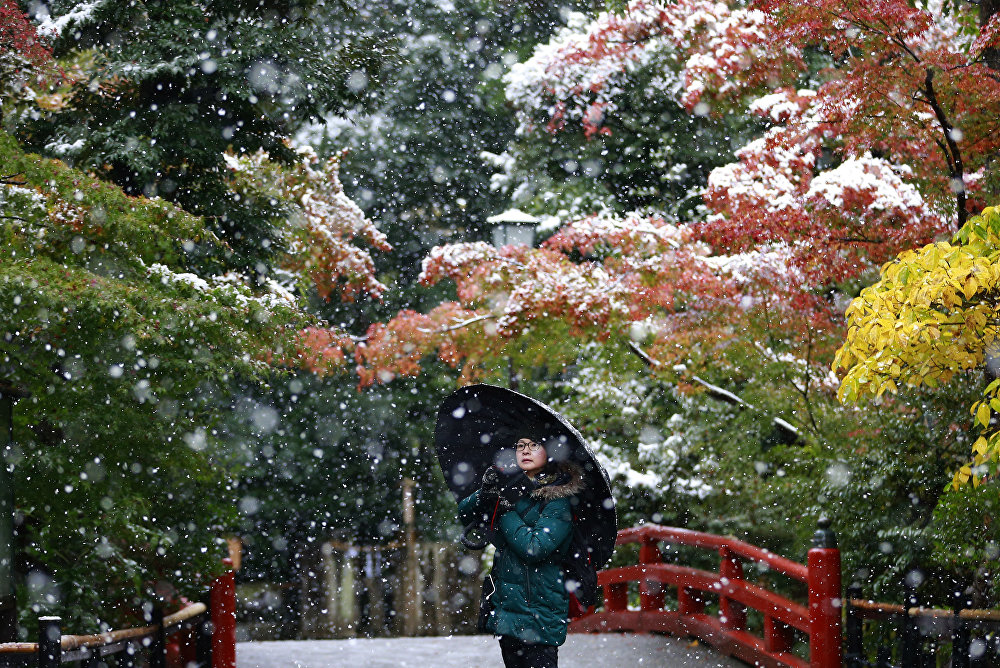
(600, 276)
(79, 14)
(903, 85)
(989, 37)
(323, 233)
(698, 49)
(885, 151)
(325, 223)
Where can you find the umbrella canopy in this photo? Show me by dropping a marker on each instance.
(477, 427)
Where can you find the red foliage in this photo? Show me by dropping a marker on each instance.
(18, 34)
(905, 84)
(321, 350)
(876, 159)
(19, 38)
(395, 348)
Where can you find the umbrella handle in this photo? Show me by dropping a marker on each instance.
(475, 537)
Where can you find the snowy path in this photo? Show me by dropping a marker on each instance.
(580, 651)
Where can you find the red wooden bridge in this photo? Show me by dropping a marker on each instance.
(734, 609)
(713, 606)
(791, 633)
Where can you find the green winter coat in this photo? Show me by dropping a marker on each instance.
(531, 602)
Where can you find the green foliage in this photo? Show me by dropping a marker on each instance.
(682, 457)
(963, 539)
(176, 84)
(415, 162)
(110, 318)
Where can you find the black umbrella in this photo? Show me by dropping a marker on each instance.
(477, 427)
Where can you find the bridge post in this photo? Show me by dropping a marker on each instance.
(825, 600)
(223, 612)
(616, 597)
(689, 601)
(734, 616)
(650, 593)
(960, 643)
(203, 644)
(49, 642)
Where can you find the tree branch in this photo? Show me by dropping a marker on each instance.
(958, 168)
(459, 325)
(721, 394)
(9, 179)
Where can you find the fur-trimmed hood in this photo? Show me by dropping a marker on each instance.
(562, 480)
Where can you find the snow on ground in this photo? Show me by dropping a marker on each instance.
(580, 651)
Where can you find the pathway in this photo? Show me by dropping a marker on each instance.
(580, 651)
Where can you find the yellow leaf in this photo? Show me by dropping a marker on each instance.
(983, 415)
(970, 288)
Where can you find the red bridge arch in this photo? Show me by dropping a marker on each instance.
(819, 618)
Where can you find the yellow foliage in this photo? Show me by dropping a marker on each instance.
(934, 312)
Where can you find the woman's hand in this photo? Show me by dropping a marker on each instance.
(488, 500)
(491, 481)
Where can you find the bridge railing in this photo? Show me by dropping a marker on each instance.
(970, 637)
(197, 635)
(819, 619)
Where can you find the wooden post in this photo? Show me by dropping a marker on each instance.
(616, 597)
(158, 643)
(440, 586)
(909, 638)
(959, 633)
(203, 644)
(223, 610)
(49, 642)
(374, 587)
(411, 572)
(348, 605)
(187, 641)
(650, 593)
(331, 586)
(291, 596)
(824, 599)
(777, 636)
(733, 615)
(690, 601)
(854, 631)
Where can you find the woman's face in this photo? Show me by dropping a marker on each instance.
(531, 456)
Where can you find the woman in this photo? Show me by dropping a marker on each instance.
(532, 531)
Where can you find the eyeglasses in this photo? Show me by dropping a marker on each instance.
(522, 446)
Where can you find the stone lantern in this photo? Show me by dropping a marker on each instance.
(513, 227)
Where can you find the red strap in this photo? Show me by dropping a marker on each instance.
(494, 513)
